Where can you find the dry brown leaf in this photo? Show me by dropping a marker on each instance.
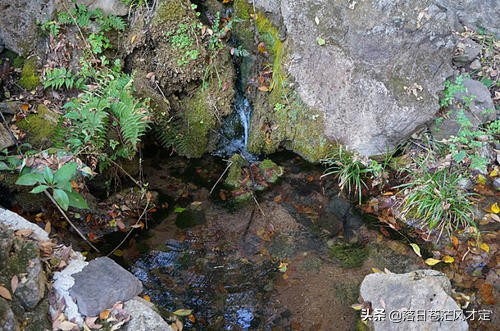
(24, 233)
(13, 283)
(4, 293)
(48, 227)
(67, 326)
(91, 323)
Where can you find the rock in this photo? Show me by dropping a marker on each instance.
(108, 7)
(390, 61)
(421, 290)
(31, 288)
(480, 15)
(465, 52)
(15, 222)
(7, 319)
(475, 65)
(63, 281)
(144, 317)
(5, 138)
(10, 107)
(101, 284)
(479, 109)
(496, 184)
(18, 26)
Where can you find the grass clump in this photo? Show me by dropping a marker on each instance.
(352, 171)
(434, 197)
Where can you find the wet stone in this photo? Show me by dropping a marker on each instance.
(421, 290)
(101, 284)
(144, 316)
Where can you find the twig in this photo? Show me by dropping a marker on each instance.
(257, 203)
(131, 229)
(230, 163)
(69, 221)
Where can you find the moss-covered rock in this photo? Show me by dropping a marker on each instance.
(189, 84)
(40, 126)
(271, 171)
(349, 255)
(29, 75)
(280, 118)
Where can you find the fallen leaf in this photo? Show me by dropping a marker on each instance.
(91, 323)
(495, 208)
(261, 47)
(416, 249)
(147, 298)
(48, 227)
(264, 88)
(4, 293)
(316, 19)
(357, 306)
(24, 233)
(448, 259)
(283, 267)
(494, 173)
(103, 315)
(377, 271)
(25, 107)
(484, 247)
(320, 41)
(183, 312)
(192, 318)
(487, 295)
(430, 261)
(454, 240)
(13, 283)
(67, 326)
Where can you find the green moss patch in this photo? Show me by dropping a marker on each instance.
(349, 255)
(29, 76)
(40, 126)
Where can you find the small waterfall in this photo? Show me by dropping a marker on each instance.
(236, 129)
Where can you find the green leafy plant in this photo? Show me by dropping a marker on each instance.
(184, 40)
(451, 89)
(58, 183)
(351, 171)
(435, 199)
(59, 77)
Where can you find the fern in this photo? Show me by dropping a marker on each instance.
(59, 77)
(112, 22)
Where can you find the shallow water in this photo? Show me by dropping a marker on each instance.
(226, 267)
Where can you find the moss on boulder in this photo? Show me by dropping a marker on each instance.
(29, 75)
(40, 126)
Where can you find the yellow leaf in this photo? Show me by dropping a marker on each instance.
(377, 271)
(454, 240)
(481, 179)
(484, 247)
(4, 293)
(283, 266)
(147, 298)
(183, 312)
(416, 249)
(495, 208)
(357, 306)
(431, 261)
(448, 259)
(494, 173)
(104, 314)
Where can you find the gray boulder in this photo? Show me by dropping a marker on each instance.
(109, 7)
(421, 290)
(101, 284)
(18, 26)
(144, 316)
(372, 70)
(378, 76)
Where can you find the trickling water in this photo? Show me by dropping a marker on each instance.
(236, 129)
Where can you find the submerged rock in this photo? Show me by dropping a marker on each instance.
(424, 291)
(101, 284)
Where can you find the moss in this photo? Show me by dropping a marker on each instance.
(29, 76)
(40, 126)
(271, 171)
(234, 174)
(349, 256)
(297, 127)
(170, 11)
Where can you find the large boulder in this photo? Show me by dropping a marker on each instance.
(18, 26)
(418, 292)
(369, 72)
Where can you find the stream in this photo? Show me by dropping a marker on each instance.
(292, 259)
